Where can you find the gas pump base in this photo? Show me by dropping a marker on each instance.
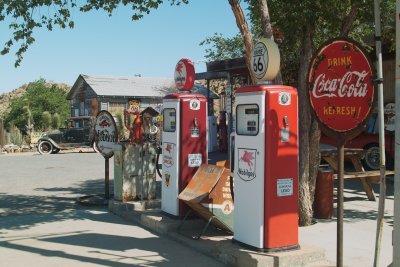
(281, 249)
(219, 245)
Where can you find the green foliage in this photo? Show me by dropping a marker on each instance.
(41, 98)
(46, 120)
(16, 137)
(27, 16)
(120, 125)
(56, 121)
(221, 48)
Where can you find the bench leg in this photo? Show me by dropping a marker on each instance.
(368, 189)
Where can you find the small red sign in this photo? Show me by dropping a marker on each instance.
(184, 75)
(341, 85)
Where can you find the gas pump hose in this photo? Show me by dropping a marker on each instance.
(231, 187)
(159, 151)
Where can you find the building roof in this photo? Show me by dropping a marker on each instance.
(144, 87)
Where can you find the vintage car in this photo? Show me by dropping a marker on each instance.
(369, 139)
(79, 133)
(370, 143)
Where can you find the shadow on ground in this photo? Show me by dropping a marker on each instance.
(37, 209)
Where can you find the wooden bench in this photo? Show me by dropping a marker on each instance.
(367, 178)
(371, 176)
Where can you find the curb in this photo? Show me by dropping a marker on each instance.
(219, 247)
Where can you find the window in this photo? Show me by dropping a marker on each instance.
(247, 117)
(169, 120)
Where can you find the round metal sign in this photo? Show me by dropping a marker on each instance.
(106, 133)
(184, 75)
(341, 86)
(266, 60)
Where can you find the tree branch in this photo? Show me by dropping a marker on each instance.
(246, 34)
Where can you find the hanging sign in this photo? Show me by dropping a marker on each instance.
(266, 60)
(106, 133)
(341, 87)
(184, 75)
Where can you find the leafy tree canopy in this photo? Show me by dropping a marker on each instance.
(25, 17)
(41, 98)
(221, 48)
(289, 18)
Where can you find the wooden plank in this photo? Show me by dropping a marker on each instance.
(366, 174)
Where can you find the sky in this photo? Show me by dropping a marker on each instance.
(118, 46)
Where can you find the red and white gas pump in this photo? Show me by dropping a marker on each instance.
(266, 171)
(184, 139)
(266, 161)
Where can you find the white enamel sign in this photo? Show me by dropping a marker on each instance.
(106, 133)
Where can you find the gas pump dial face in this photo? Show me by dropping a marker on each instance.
(194, 104)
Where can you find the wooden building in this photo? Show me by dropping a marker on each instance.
(89, 94)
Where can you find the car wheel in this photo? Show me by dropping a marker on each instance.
(372, 157)
(45, 147)
(95, 148)
(55, 151)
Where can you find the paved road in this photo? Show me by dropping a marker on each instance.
(41, 224)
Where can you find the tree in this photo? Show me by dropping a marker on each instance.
(223, 48)
(56, 121)
(42, 97)
(28, 16)
(28, 118)
(46, 120)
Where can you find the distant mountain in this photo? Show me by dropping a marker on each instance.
(6, 98)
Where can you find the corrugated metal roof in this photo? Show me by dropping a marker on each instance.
(123, 86)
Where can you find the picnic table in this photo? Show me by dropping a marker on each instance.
(355, 156)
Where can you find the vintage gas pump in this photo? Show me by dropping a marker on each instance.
(184, 138)
(266, 162)
(223, 129)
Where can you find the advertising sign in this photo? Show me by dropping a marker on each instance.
(266, 60)
(133, 106)
(184, 75)
(106, 133)
(341, 86)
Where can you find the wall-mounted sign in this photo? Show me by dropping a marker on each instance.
(266, 60)
(106, 133)
(341, 86)
(133, 106)
(184, 75)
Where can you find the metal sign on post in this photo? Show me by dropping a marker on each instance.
(106, 136)
(266, 60)
(341, 89)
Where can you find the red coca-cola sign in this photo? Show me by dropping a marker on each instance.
(341, 85)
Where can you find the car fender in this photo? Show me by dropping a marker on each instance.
(49, 140)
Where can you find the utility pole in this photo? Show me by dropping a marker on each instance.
(396, 226)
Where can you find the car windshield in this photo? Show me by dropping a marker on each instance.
(79, 123)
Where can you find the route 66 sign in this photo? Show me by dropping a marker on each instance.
(266, 60)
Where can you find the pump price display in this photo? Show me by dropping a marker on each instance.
(194, 160)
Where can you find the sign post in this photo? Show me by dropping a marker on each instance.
(341, 89)
(106, 137)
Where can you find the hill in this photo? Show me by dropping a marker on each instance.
(5, 98)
